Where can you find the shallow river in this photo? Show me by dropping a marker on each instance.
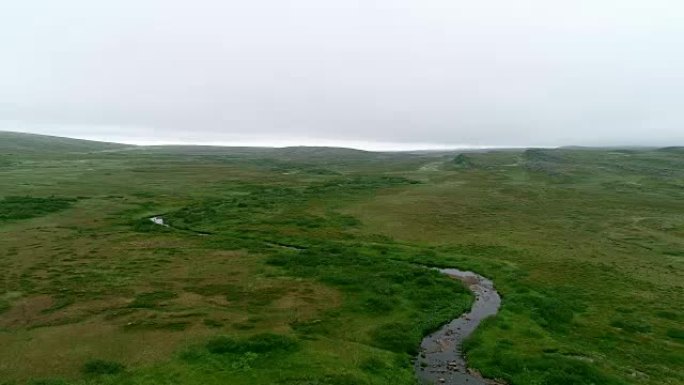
(441, 360)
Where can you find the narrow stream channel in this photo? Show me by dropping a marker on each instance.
(441, 360)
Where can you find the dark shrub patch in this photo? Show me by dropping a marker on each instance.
(212, 323)
(99, 367)
(549, 311)
(223, 345)
(259, 343)
(28, 207)
(667, 315)
(677, 334)
(373, 365)
(396, 337)
(631, 325)
(148, 300)
(262, 343)
(4, 306)
(378, 305)
(463, 161)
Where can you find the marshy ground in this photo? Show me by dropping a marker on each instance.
(308, 270)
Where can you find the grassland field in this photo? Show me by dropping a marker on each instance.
(307, 265)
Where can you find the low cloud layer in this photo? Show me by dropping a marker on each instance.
(411, 73)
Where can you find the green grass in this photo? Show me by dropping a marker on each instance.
(259, 343)
(306, 266)
(15, 207)
(151, 299)
(4, 306)
(100, 367)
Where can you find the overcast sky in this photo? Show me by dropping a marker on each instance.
(369, 73)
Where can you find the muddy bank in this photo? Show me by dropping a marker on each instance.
(441, 360)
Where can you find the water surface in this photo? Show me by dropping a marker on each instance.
(441, 360)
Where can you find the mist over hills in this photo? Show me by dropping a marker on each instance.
(20, 142)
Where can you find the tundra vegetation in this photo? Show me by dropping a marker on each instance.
(307, 265)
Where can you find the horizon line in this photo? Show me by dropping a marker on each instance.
(362, 145)
(276, 143)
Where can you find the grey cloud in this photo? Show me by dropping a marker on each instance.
(493, 72)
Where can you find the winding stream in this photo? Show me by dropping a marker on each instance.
(441, 360)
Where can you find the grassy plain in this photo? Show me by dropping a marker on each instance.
(301, 265)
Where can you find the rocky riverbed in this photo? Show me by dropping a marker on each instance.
(441, 360)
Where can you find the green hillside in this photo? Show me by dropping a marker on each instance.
(22, 143)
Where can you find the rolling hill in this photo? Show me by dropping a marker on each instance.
(23, 143)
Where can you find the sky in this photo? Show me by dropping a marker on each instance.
(376, 74)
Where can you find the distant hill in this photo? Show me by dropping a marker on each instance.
(299, 151)
(283, 154)
(22, 143)
(675, 149)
